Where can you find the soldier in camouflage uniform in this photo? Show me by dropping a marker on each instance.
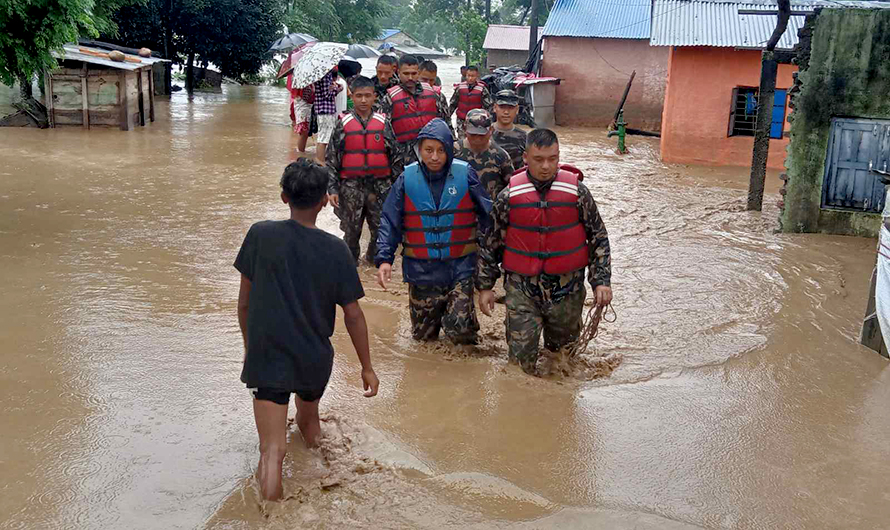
(357, 194)
(544, 255)
(386, 77)
(506, 133)
(436, 210)
(468, 95)
(491, 163)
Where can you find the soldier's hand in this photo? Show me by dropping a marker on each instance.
(335, 200)
(486, 301)
(384, 274)
(603, 295)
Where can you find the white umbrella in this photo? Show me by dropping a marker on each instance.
(316, 62)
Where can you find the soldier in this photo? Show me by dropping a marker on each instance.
(410, 105)
(546, 230)
(385, 79)
(361, 162)
(506, 133)
(491, 163)
(428, 75)
(435, 210)
(470, 94)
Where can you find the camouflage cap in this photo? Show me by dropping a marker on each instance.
(478, 121)
(506, 97)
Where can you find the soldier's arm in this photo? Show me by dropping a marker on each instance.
(486, 99)
(507, 168)
(386, 105)
(334, 158)
(599, 252)
(454, 100)
(396, 159)
(390, 234)
(481, 198)
(491, 251)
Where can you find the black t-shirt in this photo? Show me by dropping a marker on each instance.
(298, 276)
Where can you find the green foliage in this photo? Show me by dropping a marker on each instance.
(31, 29)
(337, 20)
(471, 29)
(513, 11)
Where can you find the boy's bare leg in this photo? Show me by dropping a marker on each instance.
(271, 425)
(307, 421)
(320, 153)
(302, 138)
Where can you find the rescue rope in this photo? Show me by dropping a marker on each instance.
(590, 329)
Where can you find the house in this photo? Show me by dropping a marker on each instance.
(714, 76)
(594, 46)
(90, 89)
(507, 45)
(402, 43)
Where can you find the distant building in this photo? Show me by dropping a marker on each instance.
(403, 43)
(593, 46)
(507, 45)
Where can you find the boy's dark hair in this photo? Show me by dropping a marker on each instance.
(473, 67)
(361, 81)
(388, 60)
(408, 60)
(541, 138)
(304, 183)
(429, 66)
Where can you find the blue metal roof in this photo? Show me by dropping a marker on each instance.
(387, 33)
(616, 19)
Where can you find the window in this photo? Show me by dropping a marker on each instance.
(743, 114)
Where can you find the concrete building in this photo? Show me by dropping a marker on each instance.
(593, 46)
(713, 80)
(507, 45)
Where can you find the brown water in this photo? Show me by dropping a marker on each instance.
(742, 399)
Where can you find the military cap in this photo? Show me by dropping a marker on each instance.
(478, 121)
(506, 97)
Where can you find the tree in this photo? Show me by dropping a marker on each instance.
(337, 20)
(30, 31)
(471, 29)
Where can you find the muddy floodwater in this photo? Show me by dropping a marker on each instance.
(741, 399)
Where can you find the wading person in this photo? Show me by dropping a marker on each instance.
(361, 160)
(293, 276)
(506, 133)
(435, 210)
(492, 164)
(470, 94)
(410, 105)
(326, 90)
(385, 79)
(546, 231)
(302, 110)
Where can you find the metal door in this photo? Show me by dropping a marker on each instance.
(858, 149)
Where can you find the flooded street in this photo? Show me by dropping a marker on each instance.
(742, 399)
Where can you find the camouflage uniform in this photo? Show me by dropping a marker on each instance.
(406, 150)
(492, 165)
(380, 91)
(360, 198)
(455, 99)
(548, 302)
(449, 307)
(513, 141)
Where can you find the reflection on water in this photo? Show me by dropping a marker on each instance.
(742, 401)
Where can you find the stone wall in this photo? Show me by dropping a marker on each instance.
(844, 60)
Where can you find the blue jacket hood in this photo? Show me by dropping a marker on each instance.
(437, 129)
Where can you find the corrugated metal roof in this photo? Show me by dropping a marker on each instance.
(387, 33)
(426, 53)
(73, 53)
(718, 22)
(617, 19)
(502, 37)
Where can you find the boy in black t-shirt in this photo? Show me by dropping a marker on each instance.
(293, 275)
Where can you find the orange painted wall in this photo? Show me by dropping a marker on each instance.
(697, 104)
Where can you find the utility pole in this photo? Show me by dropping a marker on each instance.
(765, 101)
(533, 34)
(488, 11)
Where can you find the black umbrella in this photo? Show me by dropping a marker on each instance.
(349, 67)
(291, 40)
(360, 51)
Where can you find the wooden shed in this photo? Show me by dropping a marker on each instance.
(89, 89)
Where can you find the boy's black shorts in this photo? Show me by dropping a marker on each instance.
(282, 397)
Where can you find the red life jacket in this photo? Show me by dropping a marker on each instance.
(409, 113)
(470, 98)
(364, 152)
(545, 235)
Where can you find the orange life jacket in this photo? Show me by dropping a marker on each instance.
(470, 98)
(409, 113)
(364, 152)
(545, 235)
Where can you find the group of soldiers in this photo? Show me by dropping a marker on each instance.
(495, 199)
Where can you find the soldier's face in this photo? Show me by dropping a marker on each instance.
(363, 99)
(472, 77)
(478, 142)
(385, 72)
(433, 154)
(428, 77)
(506, 114)
(542, 162)
(409, 74)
